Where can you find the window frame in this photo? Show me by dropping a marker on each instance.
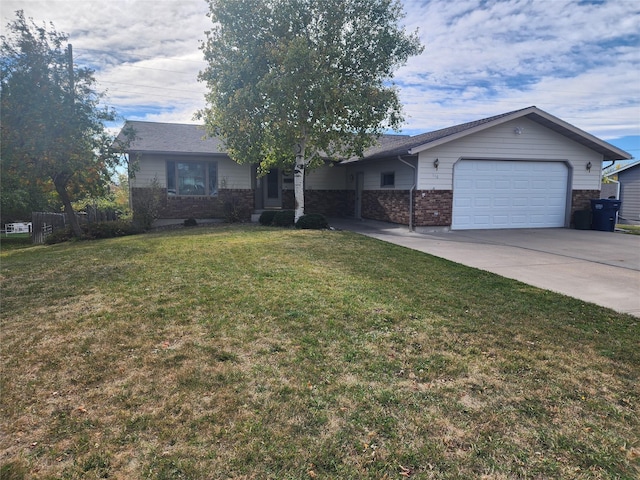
(385, 176)
(210, 168)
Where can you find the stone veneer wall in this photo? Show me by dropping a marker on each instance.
(178, 207)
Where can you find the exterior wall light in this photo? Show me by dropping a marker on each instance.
(518, 130)
(589, 167)
(436, 162)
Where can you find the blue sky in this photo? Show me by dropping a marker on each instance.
(576, 59)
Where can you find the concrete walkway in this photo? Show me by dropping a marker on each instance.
(598, 267)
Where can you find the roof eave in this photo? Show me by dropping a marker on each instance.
(623, 169)
(177, 153)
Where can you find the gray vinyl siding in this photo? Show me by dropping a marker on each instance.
(404, 175)
(326, 177)
(630, 194)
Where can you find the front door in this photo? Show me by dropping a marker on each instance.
(272, 189)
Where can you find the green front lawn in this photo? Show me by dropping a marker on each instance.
(14, 241)
(254, 352)
(633, 229)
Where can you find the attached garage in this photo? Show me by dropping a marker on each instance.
(489, 194)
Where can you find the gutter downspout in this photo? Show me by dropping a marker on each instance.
(411, 190)
(617, 198)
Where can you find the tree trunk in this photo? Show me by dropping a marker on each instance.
(298, 178)
(61, 188)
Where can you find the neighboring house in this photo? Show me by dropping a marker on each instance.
(521, 169)
(628, 180)
(610, 190)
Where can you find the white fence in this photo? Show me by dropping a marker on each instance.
(18, 227)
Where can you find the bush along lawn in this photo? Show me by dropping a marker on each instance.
(256, 352)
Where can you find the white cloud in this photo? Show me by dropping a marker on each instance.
(576, 59)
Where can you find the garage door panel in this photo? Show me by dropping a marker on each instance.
(557, 185)
(463, 202)
(503, 167)
(481, 221)
(484, 168)
(466, 184)
(518, 221)
(482, 202)
(509, 194)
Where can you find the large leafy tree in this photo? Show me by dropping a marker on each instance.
(292, 81)
(53, 129)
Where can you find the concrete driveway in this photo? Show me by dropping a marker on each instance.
(598, 267)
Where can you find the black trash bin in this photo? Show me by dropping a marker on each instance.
(582, 220)
(603, 214)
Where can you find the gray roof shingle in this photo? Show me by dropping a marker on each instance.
(155, 137)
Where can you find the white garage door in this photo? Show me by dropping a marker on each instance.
(509, 194)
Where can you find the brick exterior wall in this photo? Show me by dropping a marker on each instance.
(580, 200)
(330, 203)
(386, 205)
(432, 208)
(288, 200)
(176, 207)
(241, 202)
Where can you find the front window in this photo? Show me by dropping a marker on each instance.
(387, 179)
(192, 178)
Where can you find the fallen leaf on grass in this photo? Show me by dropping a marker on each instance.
(405, 472)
